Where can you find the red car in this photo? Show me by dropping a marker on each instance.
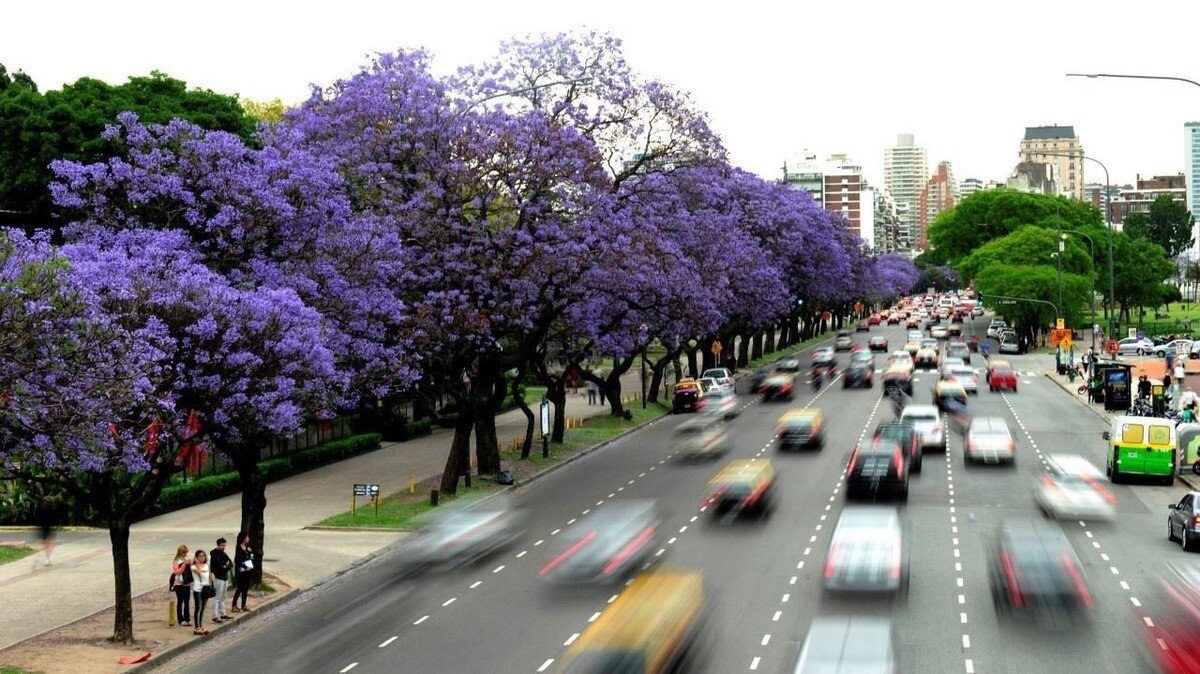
(1172, 641)
(873, 320)
(1002, 377)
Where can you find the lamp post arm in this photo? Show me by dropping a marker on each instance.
(1135, 77)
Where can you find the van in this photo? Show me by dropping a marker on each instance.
(1141, 446)
(651, 627)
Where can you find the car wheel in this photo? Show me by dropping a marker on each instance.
(1141, 351)
(1186, 542)
(917, 464)
(1170, 531)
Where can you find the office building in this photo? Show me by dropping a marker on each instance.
(969, 186)
(835, 183)
(1192, 175)
(937, 196)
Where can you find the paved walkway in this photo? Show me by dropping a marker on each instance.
(81, 580)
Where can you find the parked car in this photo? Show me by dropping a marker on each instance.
(722, 374)
(1177, 347)
(1009, 345)
(1134, 346)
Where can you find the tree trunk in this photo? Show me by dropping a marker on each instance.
(769, 346)
(756, 346)
(527, 445)
(460, 448)
(656, 380)
(487, 445)
(693, 369)
(743, 350)
(557, 393)
(118, 537)
(254, 506)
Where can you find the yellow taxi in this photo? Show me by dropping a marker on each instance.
(945, 390)
(800, 429)
(650, 627)
(744, 486)
(912, 348)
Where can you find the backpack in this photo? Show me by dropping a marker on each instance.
(185, 578)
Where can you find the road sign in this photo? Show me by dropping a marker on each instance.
(1141, 335)
(1066, 343)
(1057, 337)
(366, 490)
(1111, 347)
(1061, 324)
(716, 347)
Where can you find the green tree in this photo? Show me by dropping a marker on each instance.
(1031, 282)
(36, 129)
(1139, 269)
(1025, 246)
(991, 214)
(18, 79)
(1168, 224)
(265, 111)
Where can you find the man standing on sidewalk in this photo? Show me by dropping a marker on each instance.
(1180, 373)
(221, 566)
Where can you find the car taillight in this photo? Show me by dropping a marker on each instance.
(713, 496)
(853, 460)
(1012, 448)
(830, 562)
(1053, 486)
(897, 559)
(1010, 574)
(1196, 521)
(786, 387)
(756, 494)
(1077, 578)
(628, 550)
(562, 557)
(898, 460)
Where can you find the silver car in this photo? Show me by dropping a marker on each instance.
(990, 441)
(701, 439)
(966, 377)
(927, 421)
(1073, 489)
(718, 402)
(867, 551)
(1134, 346)
(848, 644)
(606, 546)
(459, 537)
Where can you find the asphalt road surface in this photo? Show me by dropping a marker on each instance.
(497, 616)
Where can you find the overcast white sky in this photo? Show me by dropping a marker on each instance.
(965, 77)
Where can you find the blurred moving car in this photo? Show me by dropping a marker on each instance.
(874, 319)
(457, 537)
(709, 384)
(955, 328)
(990, 441)
(779, 386)
(965, 377)
(605, 546)
(685, 396)
(848, 644)
(912, 348)
(860, 371)
(788, 365)
(718, 402)
(1171, 639)
(927, 422)
(843, 341)
(742, 487)
(939, 332)
(903, 433)
(898, 376)
(757, 377)
(867, 551)
(1000, 376)
(701, 439)
(800, 429)
(825, 358)
(878, 343)
(925, 359)
(863, 326)
(1183, 521)
(959, 350)
(947, 390)
(721, 374)
(651, 626)
(915, 336)
(1072, 488)
(1034, 571)
(912, 322)
(877, 469)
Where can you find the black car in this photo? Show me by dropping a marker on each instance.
(859, 373)
(903, 433)
(686, 396)
(788, 365)
(1034, 572)
(898, 378)
(757, 377)
(877, 470)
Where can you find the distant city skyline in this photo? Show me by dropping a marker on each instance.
(740, 67)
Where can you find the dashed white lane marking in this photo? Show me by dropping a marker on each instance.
(476, 584)
(522, 553)
(754, 662)
(775, 618)
(387, 643)
(420, 620)
(555, 532)
(546, 665)
(766, 640)
(594, 616)
(348, 667)
(540, 541)
(498, 569)
(612, 599)
(449, 601)
(963, 617)
(1135, 602)
(970, 666)
(571, 640)
(571, 521)
(966, 640)
(1124, 586)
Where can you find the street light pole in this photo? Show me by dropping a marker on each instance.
(1112, 303)
(1062, 233)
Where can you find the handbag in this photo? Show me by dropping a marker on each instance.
(208, 592)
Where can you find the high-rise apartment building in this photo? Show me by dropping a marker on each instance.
(905, 169)
(1138, 199)
(1192, 174)
(836, 184)
(937, 196)
(1058, 140)
(969, 186)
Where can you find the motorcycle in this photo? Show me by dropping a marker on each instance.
(817, 376)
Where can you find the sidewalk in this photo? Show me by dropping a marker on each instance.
(80, 581)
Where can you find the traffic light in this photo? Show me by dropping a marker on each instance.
(981, 301)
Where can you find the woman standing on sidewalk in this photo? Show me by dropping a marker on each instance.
(181, 584)
(243, 562)
(201, 582)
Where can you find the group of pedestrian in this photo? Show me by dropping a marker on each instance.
(197, 579)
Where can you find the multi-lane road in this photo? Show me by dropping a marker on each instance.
(765, 578)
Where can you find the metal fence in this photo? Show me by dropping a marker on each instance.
(314, 434)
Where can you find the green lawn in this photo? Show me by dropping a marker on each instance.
(12, 554)
(787, 351)
(403, 511)
(4, 669)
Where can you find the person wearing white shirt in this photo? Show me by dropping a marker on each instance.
(201, 578)
(1179, 374)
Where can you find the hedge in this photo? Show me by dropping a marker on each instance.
(215, 486)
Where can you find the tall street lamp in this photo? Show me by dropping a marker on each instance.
(1112, 304)
(1062, 234)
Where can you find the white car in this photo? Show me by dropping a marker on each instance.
(1073, 489)
(990, 441)
(1010, 346)
(966, 377)
(1178, 347)
(995, 328)
(723, 376)
(867, 551)
(915, 335)
(927, 421)
(718, 402)
(1133, 345)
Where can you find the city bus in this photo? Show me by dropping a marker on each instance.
(1141, 446)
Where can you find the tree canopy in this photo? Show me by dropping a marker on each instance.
(1168, 224)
